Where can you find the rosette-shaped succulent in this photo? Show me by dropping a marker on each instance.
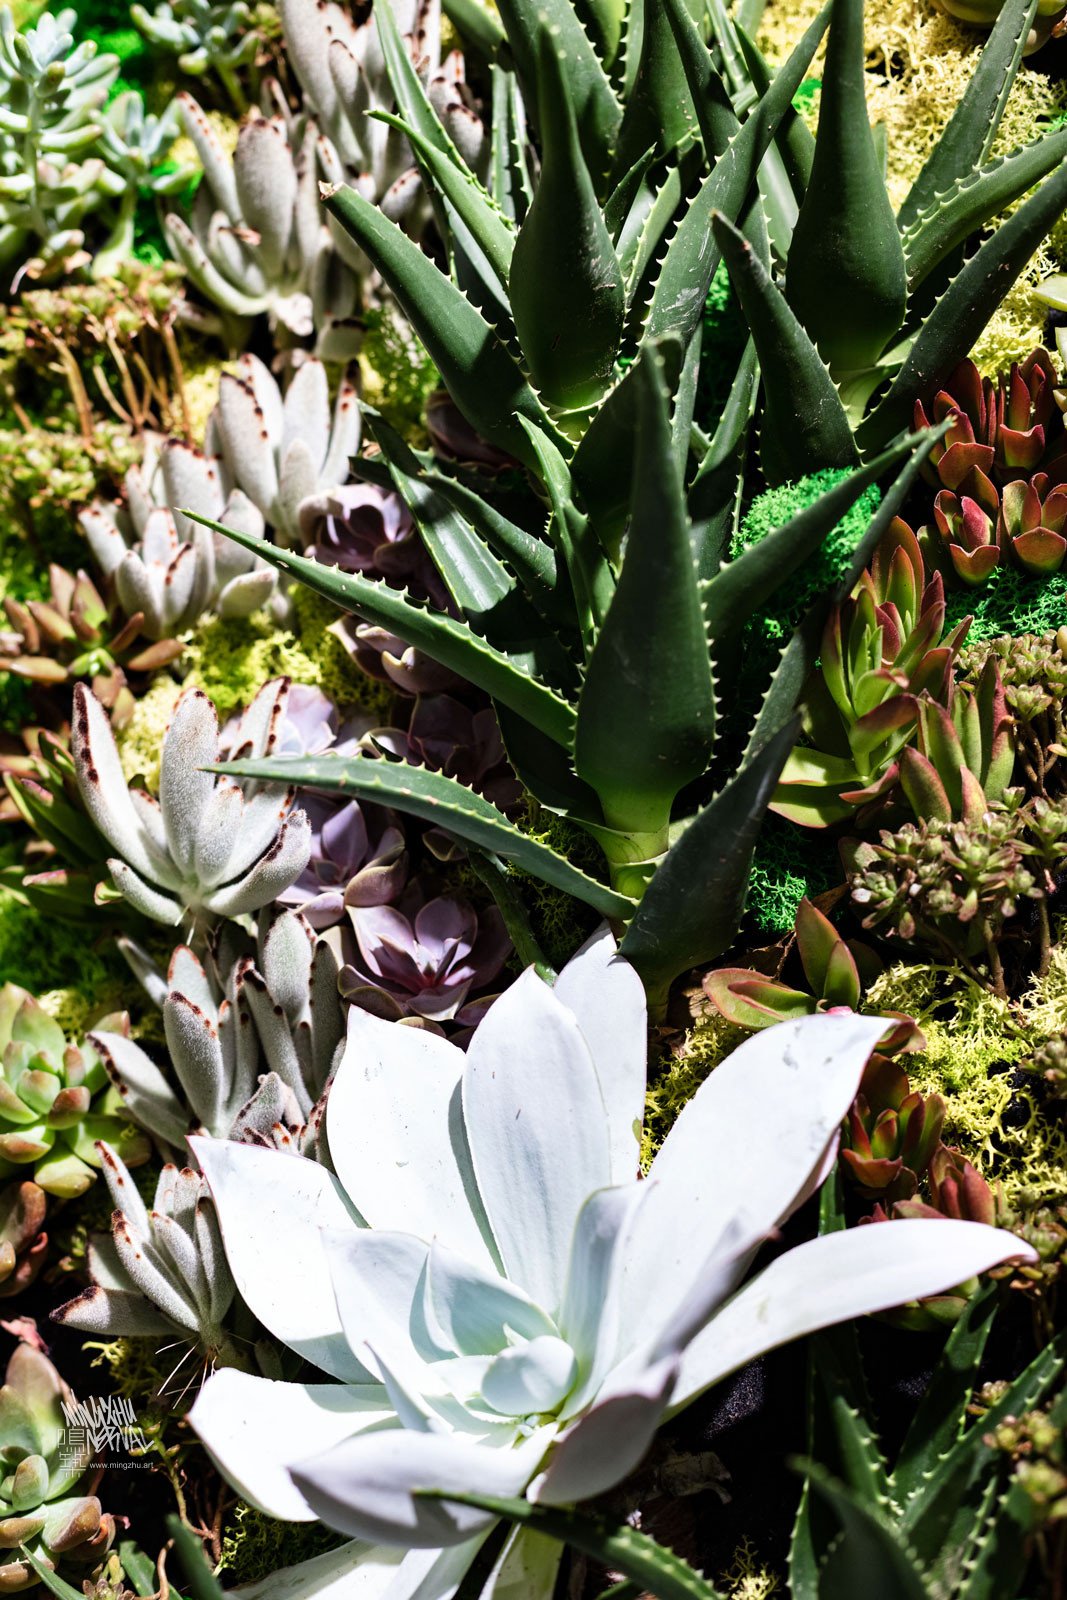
(39, 1507)
(892, 1134)
(447, 736)
(384, 656)
(23, 1241)
(162, 1272)
(207, 37)
(135, 144)
(422, 958)
(165, 566)
(1002, 429)
(54, 1100)
(52, 92)
(1032, 522)
(282, 452)
(202, 850)
(967, 528)
(519, 1311)
(252, 1035)
(882, 650)
(358, 858)
(361, 528)
(256, 241)
(76, 634)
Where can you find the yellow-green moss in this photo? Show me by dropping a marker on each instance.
(74, 970)
(255, 1547)
(141, 739)
(973, 1043)
(708, 1042)
(558, 921)
(920, 62)
(746, 1579)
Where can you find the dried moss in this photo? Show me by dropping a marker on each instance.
(746, 1579)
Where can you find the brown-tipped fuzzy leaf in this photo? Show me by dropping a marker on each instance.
(690, 260)
(480, 375)
(615, 1545)
(435, 798)
(752, 577)
(567, 295)
(646, 712)
(805, 426)
(451, 643)
(692, 907)
(964, 209)
(870, 1559)
(845, 277)
(953, 326)
(968, 137)
(597, 110)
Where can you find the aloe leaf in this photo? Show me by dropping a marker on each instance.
(510, 178)
(964, 208)
(477, 370)
(200, 1581)
(845, 277)
(805, 425)
(624, 195)
(1000, 1552)
(690, 910)
(480, 584)
(465, 195)
(787, 682)
(714, 113)
(889, 505)
(794, 141)
(451, 643)
(717, 488)
(547, 771)
(615, 1545)
(567, 294)
(870, 1559)
(490, 871)
(596, 108)
(968, 137)
(478, 27)
(690, 260)
(957, 319)
(646, 712)
(646, 229)
(659, 107)
(591, 578)
(435, 798)
(604, 21)
(941, 1416)
(139, 1570)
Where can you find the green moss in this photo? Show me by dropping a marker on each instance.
(789, 863)
(255, 1547)
(1010, 602)
(397, 374)
(973, 1043)
(676, 1080)
(77, 974)
(558, 921)
(724, 340)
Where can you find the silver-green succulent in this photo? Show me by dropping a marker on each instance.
(208, 39)
(202, 850)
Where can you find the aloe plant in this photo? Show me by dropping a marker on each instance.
(877, 307)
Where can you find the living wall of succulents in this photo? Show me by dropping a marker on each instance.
(533, 827)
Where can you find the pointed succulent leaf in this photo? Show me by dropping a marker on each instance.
(804, 422)
(708, 97)
(439, 799)
(596, 107)
(845, 278)
(965, 142)
(659, 105)
(566, 285)
(646, 722)
(871, 1557)
(445, 640)
(479, 373)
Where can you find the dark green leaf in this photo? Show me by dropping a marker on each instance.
(691, 909)
(711, 105)
(804, 422)
(604, 21)
(490, 870)
(451, 643)
(615, 1545)
(201, 1583)
(870, 1559)
(953, 326)
(592, 582)
(647, 228)
(55, 1585)
(968, 137)
(510, 180)
(480, 375)
(597, 110)
(963, 209)
(795, 140)
(567, 294)
(438, 799)
(787, 684)
(646, 712)
(139, 1570)
(478, 27)
(845, 277)
(659, 107)
(691, 258)
(716, 491)
(1000, 1553)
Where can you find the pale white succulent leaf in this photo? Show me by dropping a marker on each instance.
(146, 1094)
(284, 860)
(606, 1444)
(306, 414)
(190, 744)
(467, 1309)
(196, 1055)
(102, 784)
(151, 903)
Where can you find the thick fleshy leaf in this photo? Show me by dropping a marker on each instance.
(354, 1571)
(471, 1309)
(255, 1428)
(104, 792)
(610, 1441)
(397, 1140)
(595, 104)
(370, 1486)
(534, 1169)
(271, 1209)
(605, 994)
(589, 1312)
(839, 1276)
(376, 1276)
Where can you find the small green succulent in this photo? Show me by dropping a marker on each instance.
(55, 1101)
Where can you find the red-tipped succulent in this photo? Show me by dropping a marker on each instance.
(1031, 524)
(893, 1133)
(1000, 429)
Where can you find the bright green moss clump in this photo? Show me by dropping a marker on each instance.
(1010, 602)
(43, 955)
(254, 1546)
(789, 863)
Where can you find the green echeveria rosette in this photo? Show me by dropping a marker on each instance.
(41, 1466)
(55, 1101)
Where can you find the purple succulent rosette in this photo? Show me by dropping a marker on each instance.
(358, 858)
(421, 959)
(449, 737)
(361, 528)
(387, 659)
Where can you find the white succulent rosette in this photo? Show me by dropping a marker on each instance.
(498, 1304)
